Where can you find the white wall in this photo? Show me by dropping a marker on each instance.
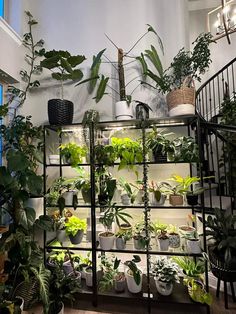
(221, 52)
(79, 26)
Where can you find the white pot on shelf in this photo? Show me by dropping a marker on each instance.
(164, 288)
(131, 284)
(54, 159)
(123, 111)
(194, 246)
(68, 196)
(106, 241)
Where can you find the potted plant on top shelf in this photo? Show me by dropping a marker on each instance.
(123, 108)
(166, 273)
(60, 111)
(178, 79)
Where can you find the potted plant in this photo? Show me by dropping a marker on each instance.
(75, 228)
(60, 111)
(111, 275)
(188, 231)
(221, 246)
(174, 237)
(105, 154)
(156, 141)
(122, 236)
(165, 275)
(111, 214)
(178, 79)
(107, 187)
(162, 236)
(139, 236)
(72, 153)
(129, 192)
(197, 292)
(129, 152)
(123, 107)
(186, 149)
(157, 197)
(133, 275)
(193, 244)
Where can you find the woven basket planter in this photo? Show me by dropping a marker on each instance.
(60, 111)
(181, 101)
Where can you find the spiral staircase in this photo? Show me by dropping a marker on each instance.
(218, 151)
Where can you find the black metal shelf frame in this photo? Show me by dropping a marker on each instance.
(191, 122)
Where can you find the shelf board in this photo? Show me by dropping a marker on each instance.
(133, 123)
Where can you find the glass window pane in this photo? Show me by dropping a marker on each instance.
(2, 8)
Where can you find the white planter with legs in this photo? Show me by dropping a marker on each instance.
(123, 111)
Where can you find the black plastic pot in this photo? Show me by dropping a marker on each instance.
(192, 199)
(158, 155)
(77, 238)
(60, 111)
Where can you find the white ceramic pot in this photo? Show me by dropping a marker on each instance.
(123, 111)
(154, 201)
(131, 284)
(163, 244)
(68, 196)
(125, 199)
(106, 242)
(61, 236)
(193, 246)
(187, 231)
(181, 110)
(54, 159)
(37, 204)
(89, 277)
(163, 288)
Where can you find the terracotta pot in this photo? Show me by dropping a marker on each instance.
(176, 200)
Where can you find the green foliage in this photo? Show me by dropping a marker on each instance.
(197, 292)
(228, 110)
(64, 64)
(222, 230)
(156, 140)
(129, 152)
(124, 234)
(185, 64)
(105, 154)
(74, 224)
(185, 149)
(134, 271)
(165, 270)
(191, 267)
(109, 266)
(160, 229)
(73, 153)
(130, 189)
(112, 214)
(34, 50)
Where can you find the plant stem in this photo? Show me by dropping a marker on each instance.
(121, 74)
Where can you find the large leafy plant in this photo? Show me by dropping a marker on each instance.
(73, 153)
(63, 66)
(165, 270)
(222, 231)
(185, 64)
(74, 224)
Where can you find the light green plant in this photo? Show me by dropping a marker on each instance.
(73, 153)
(74, 224)
(197, 292)
(109, 266)
(190, 267)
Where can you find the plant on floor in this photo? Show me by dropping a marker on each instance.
(222, 231)
(73, 153)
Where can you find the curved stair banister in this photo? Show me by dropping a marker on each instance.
(209, 98)
(210, 95)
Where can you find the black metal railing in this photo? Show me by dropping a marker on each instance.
(211, 94)
(218, 151)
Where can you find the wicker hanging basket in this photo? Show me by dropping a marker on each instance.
(181, 101)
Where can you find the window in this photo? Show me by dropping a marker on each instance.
(1, 101)
(2, 8)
